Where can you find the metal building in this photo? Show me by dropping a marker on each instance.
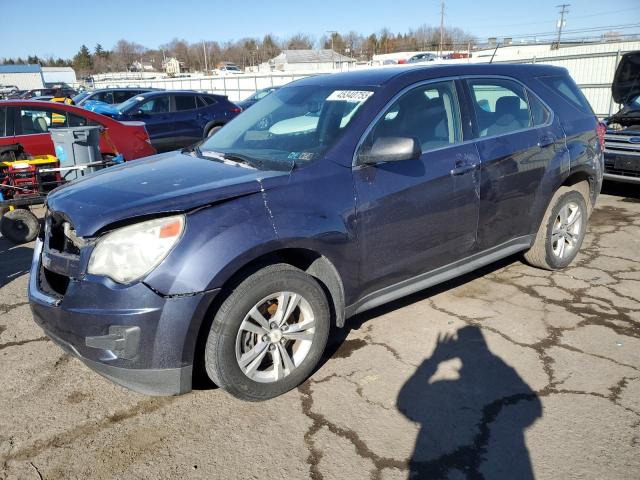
(25, 77)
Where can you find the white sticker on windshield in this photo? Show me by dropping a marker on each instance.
(349, 96)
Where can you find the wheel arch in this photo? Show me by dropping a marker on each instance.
(210, 125)
(307, 260)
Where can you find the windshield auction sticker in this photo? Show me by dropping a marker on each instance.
(356, 96)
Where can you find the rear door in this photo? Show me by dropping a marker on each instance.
(187, 120)
(156, 114)
(417, 215)
(514, 154)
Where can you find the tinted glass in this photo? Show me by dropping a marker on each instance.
(428, 113)
(539, 113)
(123, 96)
(106, 97)
(500, 106)
(156, 105)
(568, 90)
(208, 100)
(185, 102)
(80, 121)
(3, 122)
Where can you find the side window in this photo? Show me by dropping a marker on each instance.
(80, 121)
(500, 106)
(156, 105)
(568, 90)
(3, 122)
(185, 102)
(428, 113)
(34, 121)
(539, 113)
(208, 100)
(122, 96)
(106, 97)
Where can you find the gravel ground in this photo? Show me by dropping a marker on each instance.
(510, 372)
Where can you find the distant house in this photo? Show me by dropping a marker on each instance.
(306, 60)
(142, 66)
(25, 77)
(172, 66)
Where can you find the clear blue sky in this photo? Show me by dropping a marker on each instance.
(28, 29)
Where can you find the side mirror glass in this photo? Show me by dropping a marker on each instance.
(391, 149)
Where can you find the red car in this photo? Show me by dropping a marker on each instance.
(28, 122)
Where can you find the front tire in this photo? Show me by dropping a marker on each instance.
(19, 226)
(561, 233)
(269, 334)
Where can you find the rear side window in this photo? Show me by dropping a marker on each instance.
(106, 97)
(185, 102)
(207, 100)
(156, 105)
(539, 113)
(567, 89)
(500, 106)
(123, 96)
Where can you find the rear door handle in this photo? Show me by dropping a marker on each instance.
(462, 169)
(545, 141)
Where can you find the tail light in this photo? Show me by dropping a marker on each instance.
(235, 110)
(601, 129)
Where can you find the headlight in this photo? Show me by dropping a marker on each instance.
(129, 253)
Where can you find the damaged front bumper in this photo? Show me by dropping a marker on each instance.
(127, 333)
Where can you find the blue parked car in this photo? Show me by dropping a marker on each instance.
(110, 96)
(174, 119)
(329, 197)
(255, 97)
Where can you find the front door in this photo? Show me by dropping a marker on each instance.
(417, 215)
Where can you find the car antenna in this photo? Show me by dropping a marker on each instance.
(494, 53)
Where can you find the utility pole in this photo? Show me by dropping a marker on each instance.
(333, 61)
(441, 27)
(206, 66)
(563, 11)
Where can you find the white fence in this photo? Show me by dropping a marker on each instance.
(593, 72)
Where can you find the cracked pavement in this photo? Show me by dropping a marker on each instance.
(509, 372)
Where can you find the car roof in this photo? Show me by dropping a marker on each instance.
(179, 92)
(124, 89)
(381, 76)
(60, 106)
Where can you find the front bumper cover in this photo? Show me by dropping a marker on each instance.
(129, 334)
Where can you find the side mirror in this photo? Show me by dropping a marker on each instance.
(136, 113)
(391, 149)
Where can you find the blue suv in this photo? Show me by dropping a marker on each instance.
(331, 196)
(174, 119)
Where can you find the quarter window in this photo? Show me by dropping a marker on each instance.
(428, 113)
(500, 106)
(569, 91)
(539, 113)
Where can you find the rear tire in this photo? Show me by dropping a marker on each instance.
(19, 226)
(561, 232)
(258, 356)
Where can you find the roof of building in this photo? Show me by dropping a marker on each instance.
(311, 56)
(58, 69)
(31, 68)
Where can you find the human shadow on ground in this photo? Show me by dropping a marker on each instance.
(472, 409)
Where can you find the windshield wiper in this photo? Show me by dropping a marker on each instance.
(193, 149)
(236, 157)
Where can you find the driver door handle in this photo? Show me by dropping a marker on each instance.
(462, 169)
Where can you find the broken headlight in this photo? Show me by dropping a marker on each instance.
(129, 253)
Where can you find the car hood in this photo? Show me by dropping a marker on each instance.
(626, 82)
(170, 182)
